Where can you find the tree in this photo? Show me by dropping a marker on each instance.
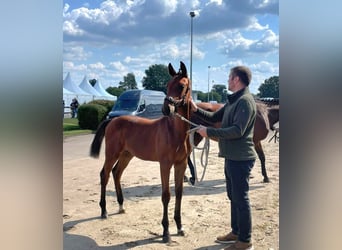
(270, 88)
(117, 91)
(219, 92)
(129, 82)
(92, 82)
(156, 77)
(203, 97)
(214, 96)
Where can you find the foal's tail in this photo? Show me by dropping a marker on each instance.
(96, 144)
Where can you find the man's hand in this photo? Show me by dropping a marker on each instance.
(202, 131)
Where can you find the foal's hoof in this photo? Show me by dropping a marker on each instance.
(266, 180)
(121, 209)
(166, 239)
(104, 215)
(181, 232)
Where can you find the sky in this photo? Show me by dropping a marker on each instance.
(106, 40)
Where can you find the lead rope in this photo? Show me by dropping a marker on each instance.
(205, 148)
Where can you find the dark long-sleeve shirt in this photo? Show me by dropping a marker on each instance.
(236, 132)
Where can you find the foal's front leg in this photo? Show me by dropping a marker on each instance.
(179, 174)
(165, 177)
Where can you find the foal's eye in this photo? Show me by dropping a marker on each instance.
(181, 86)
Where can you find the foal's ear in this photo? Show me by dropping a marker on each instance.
(183, 69)
(172, 71)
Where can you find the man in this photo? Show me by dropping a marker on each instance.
(236, 146)
(74, 108)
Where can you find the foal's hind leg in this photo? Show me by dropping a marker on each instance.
(104, 176)
(117, 171)
(261, 155)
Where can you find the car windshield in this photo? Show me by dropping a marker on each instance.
(126, 104)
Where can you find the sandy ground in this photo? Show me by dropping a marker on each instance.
(205, 207)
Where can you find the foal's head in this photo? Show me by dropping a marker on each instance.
(178, 90)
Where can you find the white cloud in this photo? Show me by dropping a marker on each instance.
(269, 42)
(124, 22)
(135, 60)
(118, 66)
(158, 32)
(65, 8)
(76, 53)
(69, 66)
(218, 2)
(262, 3)
(170, 7)
(237, 45)
(265, 67)
(71, 28)
(97, 66)
(255, 25)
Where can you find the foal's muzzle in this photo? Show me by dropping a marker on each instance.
(171, 106)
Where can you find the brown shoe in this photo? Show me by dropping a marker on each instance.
(239, 245)
(228, 238)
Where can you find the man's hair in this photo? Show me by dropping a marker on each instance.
(243, 73)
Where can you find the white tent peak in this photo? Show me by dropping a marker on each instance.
(69, 85)
(101, 90)
(86, 86)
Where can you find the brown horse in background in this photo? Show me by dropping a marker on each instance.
(164, 140)
(267, 116)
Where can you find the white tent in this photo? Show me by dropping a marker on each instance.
(103, 92)
(67, 92)
(86, 86)
(81, 95)
(67, 96)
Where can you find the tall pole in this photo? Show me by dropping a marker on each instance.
(208, 81)
(192, 15)
(212, 85)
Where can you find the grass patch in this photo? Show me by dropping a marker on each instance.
(71, 127)
(77, 132)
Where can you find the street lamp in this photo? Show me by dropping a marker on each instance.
(208, 81)
(192, 15)
(212, 86)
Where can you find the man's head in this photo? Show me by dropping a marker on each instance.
(239, 77)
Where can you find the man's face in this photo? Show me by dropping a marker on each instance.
(231, 82)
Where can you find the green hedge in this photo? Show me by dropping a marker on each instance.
(106, 103)
(91, 115)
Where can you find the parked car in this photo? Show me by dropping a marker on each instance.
(143, 103)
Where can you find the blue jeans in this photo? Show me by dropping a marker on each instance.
(237, 183)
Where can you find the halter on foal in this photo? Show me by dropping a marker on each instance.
(164, 140)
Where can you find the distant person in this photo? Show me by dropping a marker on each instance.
(74, 108)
